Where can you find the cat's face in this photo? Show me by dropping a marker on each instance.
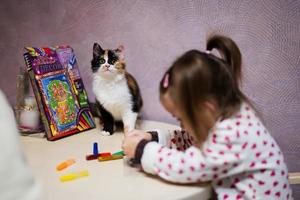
(108, 63)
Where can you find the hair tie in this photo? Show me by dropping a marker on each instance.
(166, 81)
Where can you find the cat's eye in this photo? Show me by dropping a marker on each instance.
(102, 61)
(113, 61)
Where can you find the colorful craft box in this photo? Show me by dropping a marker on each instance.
(59, 91)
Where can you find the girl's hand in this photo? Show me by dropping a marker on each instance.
(131, 141)
(129, 145)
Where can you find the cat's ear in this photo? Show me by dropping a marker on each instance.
(97, 50)
(120, 52)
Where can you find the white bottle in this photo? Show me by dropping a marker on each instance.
(29, 116)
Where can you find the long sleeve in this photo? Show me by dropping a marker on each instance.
(219, 157)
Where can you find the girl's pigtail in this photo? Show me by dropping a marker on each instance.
(229, 52)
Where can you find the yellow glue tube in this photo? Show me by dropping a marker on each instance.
(112, 157)
(75, 175)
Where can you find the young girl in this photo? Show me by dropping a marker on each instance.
(225, 143)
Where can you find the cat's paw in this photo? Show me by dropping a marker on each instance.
(105, 133)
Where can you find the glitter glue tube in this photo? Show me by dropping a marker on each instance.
(94, 157)
(118, 153)
(107, 158)
(65, 164)
(95, 149)
(75, 175)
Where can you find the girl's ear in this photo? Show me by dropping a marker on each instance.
(120, 52)
(97, 50)
(212, 105)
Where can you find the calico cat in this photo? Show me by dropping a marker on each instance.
(118, 96)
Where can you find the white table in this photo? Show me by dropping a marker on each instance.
(107, 180)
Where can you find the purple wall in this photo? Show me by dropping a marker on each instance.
(156, 32)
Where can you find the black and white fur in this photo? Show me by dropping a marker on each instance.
(118, 96)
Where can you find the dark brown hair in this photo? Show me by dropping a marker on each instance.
(196, 77)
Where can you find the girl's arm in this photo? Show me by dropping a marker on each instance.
(216, 160)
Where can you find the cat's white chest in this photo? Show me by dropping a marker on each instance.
(113, 95)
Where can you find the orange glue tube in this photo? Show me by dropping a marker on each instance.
(73, 176)
(112, 157)
(65, 164)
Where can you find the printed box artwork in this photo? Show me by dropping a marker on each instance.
(59, 90)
